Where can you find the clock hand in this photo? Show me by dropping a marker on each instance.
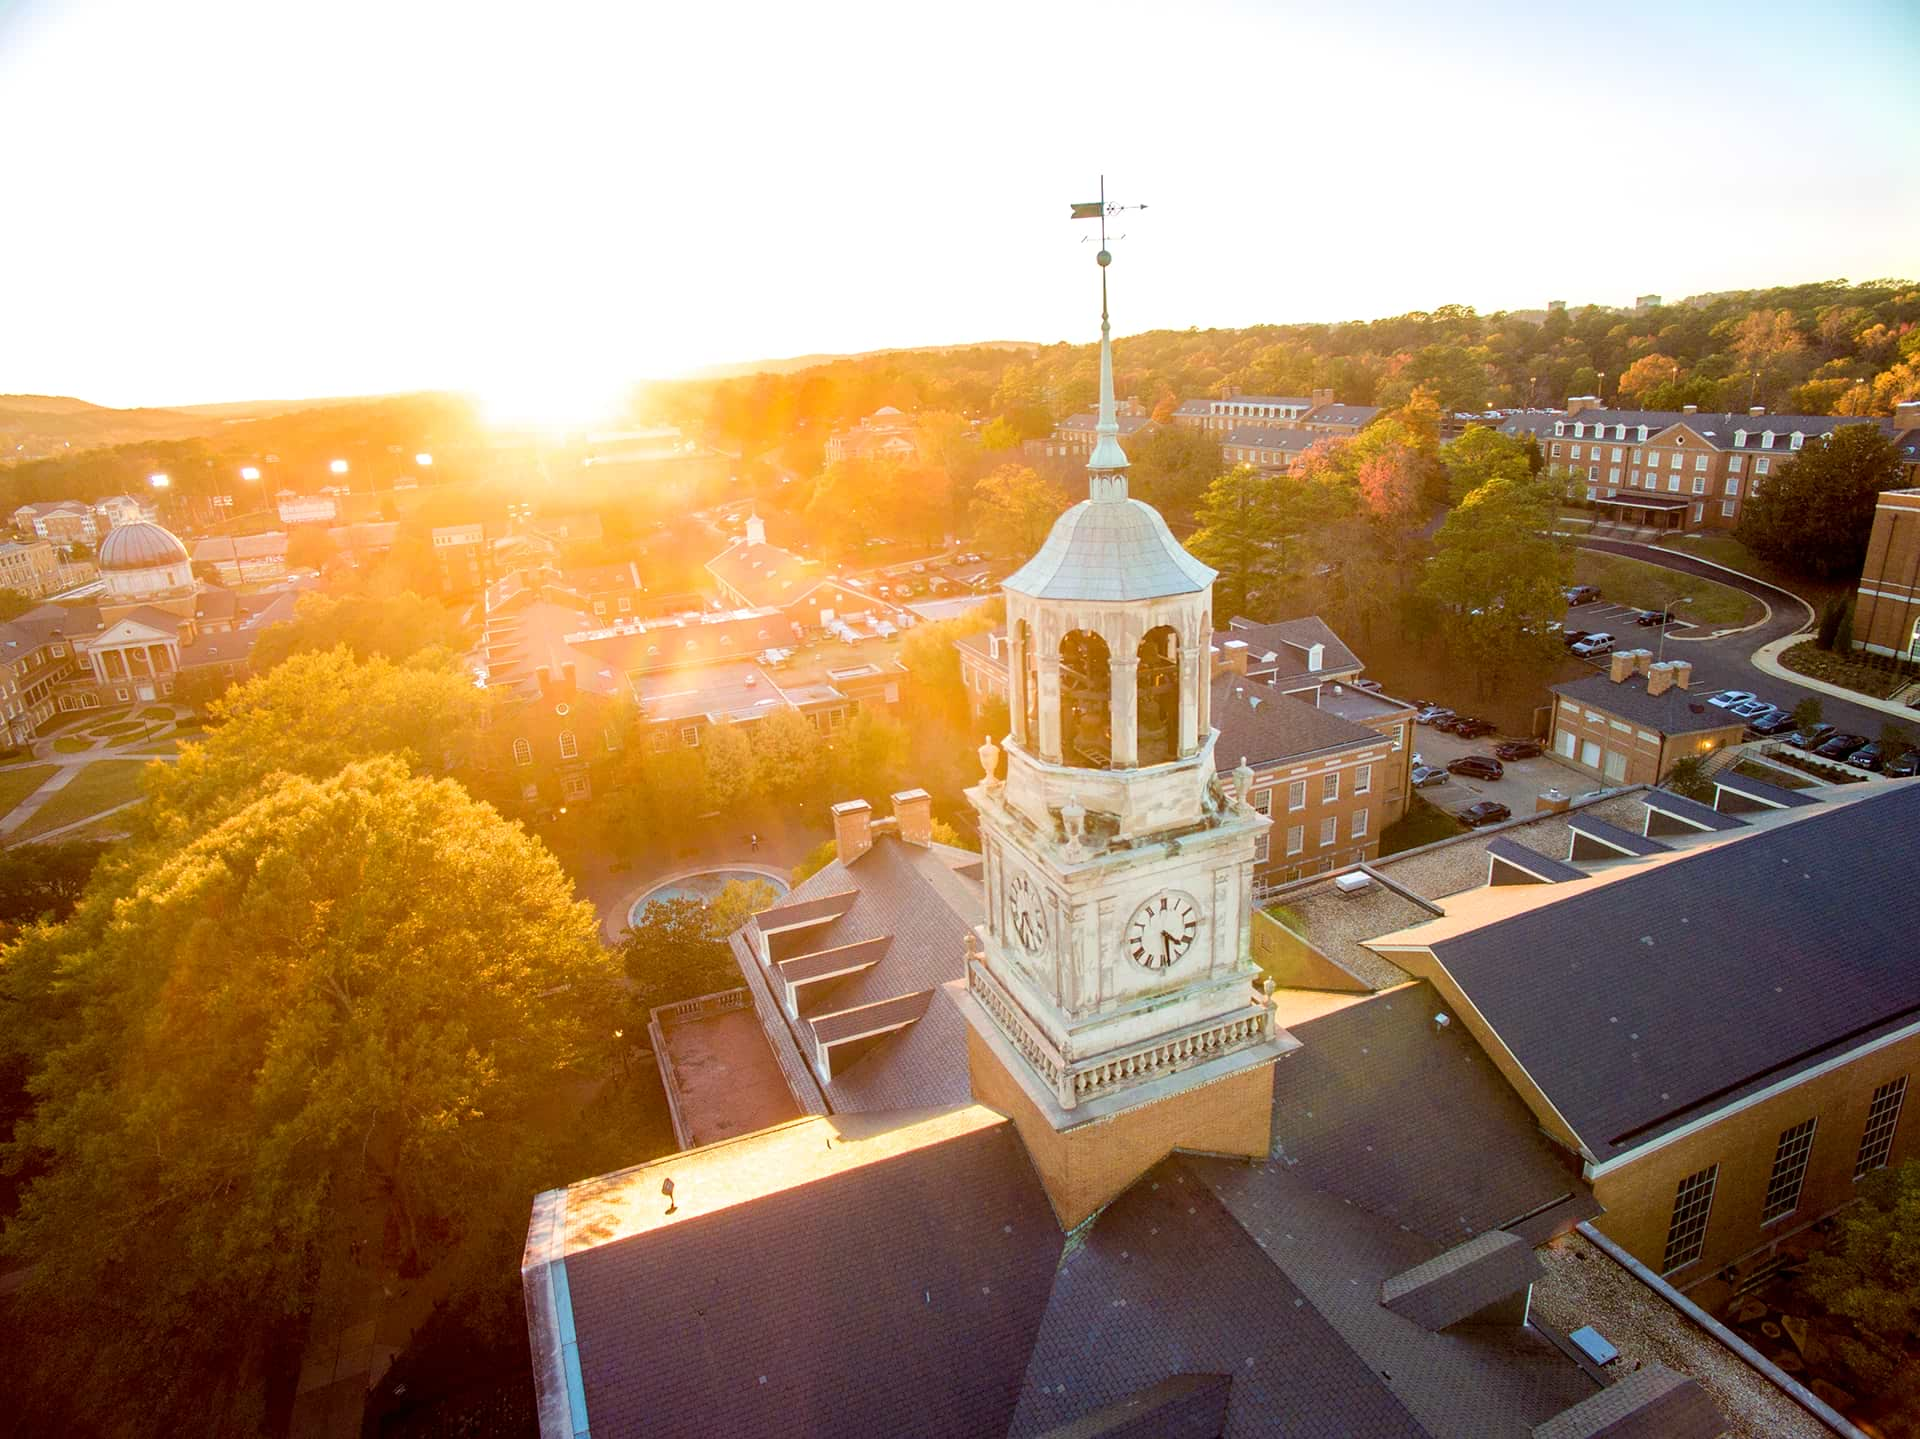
(1166, 948)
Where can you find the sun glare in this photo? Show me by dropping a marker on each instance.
(550, 399)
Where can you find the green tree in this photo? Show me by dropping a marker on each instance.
(199, 687)
(1869, 1273)
(1895, 740)
(44, 881)
(1806, 714)
(363, 984)
(1497, 576)
(793, 759)
(396, 626)
(1688, 778)
(1239, 531)
(732, 767)
(15, 603)
(1813, 516)
(1013, 509)
(817, 859)
(1480, 455)
(676, 953)
(738, 901)
(1171, 467)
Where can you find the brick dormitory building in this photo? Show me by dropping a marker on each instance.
(1034, 1149)
(1683, 469)
(1886, 614)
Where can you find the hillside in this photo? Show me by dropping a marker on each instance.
(32, 426)
(796, 363)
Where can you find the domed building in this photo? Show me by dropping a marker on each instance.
(142, 561)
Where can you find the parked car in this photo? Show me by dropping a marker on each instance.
(1654, 617)
(1487, 811)
(1372, 687)
(1727, 699)
(1433, 714)
(1570, 638)
(1427, 775)
(1840, 746)
(1513, 749)
(1476, 766)
(1468, 727)
(1747, 709)
(1592, 645)
(1583, 594)
(1809, 738)
(1903, 766)
(1868, 756)
(1774, 722)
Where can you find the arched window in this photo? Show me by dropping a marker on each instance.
(522, 752)
(1086, 700)
(1157, 696)
(569, 746)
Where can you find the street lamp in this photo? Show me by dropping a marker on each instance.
(249, 472)
(339, 467)
(1666, 610)
(423, 460)
(159, 481)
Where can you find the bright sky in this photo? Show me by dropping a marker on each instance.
(238, 199)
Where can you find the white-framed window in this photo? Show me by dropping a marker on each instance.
(1790, 1158)
(626, 605)
(1727, 507)
(1761, 465)
(1733, 485)
(1736, 463)
(1296, 838)
(1329, 787)
(1766, 439)
(1556, 452)
(1576, 448)
(1699, 485)
(1615, 455)
(659, 740)
(522, 752)
(1883, 1118)
(1698, 511)
(1616, 766)
(1399, 736)
(1673, 460)
(1590, 753)
(1565, 741)
(1687, 1231)
(1796, 441)
(1297, 794)
(1613, 475)
(1359, 829)
(575, 786)
(690, 736)
(1636, 454)
(1673, 484)
(1329, 830)
(1363, 779)
(599, 607)
(1699, 462)
(569, 746)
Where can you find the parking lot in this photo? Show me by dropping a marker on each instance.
(1524, 781)
(1620, 621)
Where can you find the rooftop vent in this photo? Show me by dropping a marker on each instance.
(1352, 882)
(1590, 1342)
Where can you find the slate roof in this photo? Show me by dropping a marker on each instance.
(1542, 868)
(1610, 837)
(1688, 980)
(1264, 725)
(1692, 814)
(1459, 1282)
(1357, 415)
(1110, 550)
(1085, 423)
(1290, 640)
(1272, 437)
(1678, 711)
(1653, 1402)
(766, 574)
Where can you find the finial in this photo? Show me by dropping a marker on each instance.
(1107, 465)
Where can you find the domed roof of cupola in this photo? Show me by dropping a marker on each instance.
(1110, 549)
(140, 546)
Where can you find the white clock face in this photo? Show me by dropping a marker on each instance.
(1162, 930)
(1025, 915)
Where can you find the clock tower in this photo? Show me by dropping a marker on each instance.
(1113, 1001)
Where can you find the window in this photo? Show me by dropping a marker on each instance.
(1613, 475)
(1698, 511)
(1883, 1117)
(1359, 824)
(690, 736)
(1733, 486)
(1699, 462)
(569, 746)
(1766, 439)
(1556, 452)
(522, 752)
(1736, 463)
(1296, 839)
(1673, 460)
(1330, 787)
(1329, 830)
(613, 739)
(1789, 1172)
(1699, 485)
(1727, 507)
(1616, 766)
(626, 605)
(1590, 754)
(575, 786)
(1615, 456)
(1297, 794)
(599, 607)
(659, 741)
(1673, 484)
(1564, 742)
(1761, 465)
(1576, 448)
(1692, 1203)
(1363, 779)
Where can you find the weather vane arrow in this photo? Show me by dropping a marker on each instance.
(1099, 210)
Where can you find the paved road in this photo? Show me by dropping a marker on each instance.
(1723, 663)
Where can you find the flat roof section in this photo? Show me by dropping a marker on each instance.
(725, 1079)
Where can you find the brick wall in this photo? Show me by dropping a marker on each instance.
(1886, 616)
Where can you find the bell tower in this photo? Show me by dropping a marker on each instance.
(1113, 1000)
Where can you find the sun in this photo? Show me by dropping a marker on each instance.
(551, 398)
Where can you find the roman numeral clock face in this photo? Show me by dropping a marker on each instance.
(1162, 930)
(1025, 914)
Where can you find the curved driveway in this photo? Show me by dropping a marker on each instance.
(1725, 663)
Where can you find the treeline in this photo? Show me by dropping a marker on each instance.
(1823, 348)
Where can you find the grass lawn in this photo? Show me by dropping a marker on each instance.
(169, 745)
(99, 786)
(1636, 582)
(125, 726)
(17, 784)
(1807, 658)
(1726, 550)
(1423, 823)
(72, 744)
(157, 712)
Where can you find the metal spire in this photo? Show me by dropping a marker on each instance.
(1107, 466)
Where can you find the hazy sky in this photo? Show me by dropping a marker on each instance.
(236, 199)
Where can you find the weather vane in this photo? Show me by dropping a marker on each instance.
(1100, 209)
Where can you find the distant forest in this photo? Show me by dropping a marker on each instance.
(1827, 348)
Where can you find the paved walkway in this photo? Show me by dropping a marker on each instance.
(32, 804)
(1767, 660)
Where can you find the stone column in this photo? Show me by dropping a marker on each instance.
(1050, 707)
(1123, 681)
(1017, 685)
(1194, 697)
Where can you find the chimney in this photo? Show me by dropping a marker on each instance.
(1322, 397)
(567, 682)
(1642, 661)
(1619, 665)
(1689, 409)
(1316, 656)
(1233, 656)
(1682, 672)
(1756, 409)
(1551, 801)
(1906, 416)
(1659, 679)
(545, 677)
(852, 829)
(1577, 403)
(756, 530)
(913, 808)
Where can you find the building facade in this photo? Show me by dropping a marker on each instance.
(1886, 613)
(1632, 724)
(33, 567)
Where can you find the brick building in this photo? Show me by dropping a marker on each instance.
(754, 574)
(33, 567)
(886, 434)
(1238, 411)
(1630, 725)
(1886, 613)
(461, 558)
(1266, 448)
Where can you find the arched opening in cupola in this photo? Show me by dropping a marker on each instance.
(1026, 723)
(1086, 708)
(1157, 697)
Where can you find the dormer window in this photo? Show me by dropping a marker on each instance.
(1739, 439)
(1766, 439)
(1579, 428)
(1559, 427)
(1642, 435)
(1797, 438)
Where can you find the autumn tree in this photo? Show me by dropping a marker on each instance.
(1644, 374)
(397, 627)
(363, 985)
(1762, 340)
(1014, 508)
(1814, 514)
